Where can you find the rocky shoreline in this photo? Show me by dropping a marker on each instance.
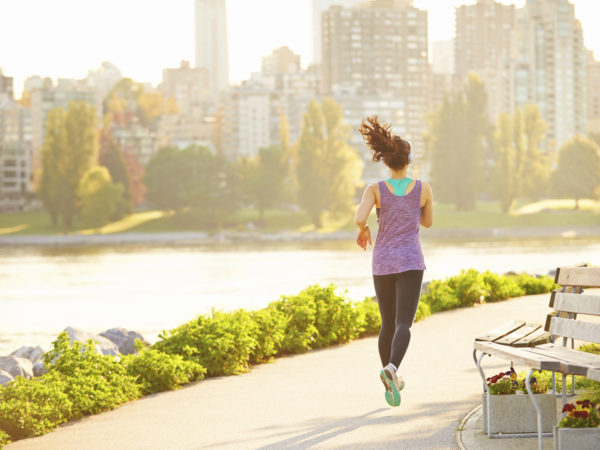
(187, 238)
(27, 361)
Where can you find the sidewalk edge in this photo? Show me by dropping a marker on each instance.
(461, 426)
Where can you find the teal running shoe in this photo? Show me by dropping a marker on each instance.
(393, 385)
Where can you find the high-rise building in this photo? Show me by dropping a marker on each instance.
(189, 86)
(484, 33)
(442, 57)
(6, 86)
(15, 154)
(593, 94)
(211, 43)
(379, 50)
(318, 7)
(551, 68)
(282, 60)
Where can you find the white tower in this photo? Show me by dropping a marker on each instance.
(211, 42)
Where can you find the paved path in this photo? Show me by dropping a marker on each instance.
(326, 399)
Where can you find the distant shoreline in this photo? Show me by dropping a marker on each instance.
(182, 238)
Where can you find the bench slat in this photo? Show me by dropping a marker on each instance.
(522, 356)
(501, 331)
(594, 374)
(538, 337)
(578, 276)
(517, 334)
(572, 361)
(575, 303)
(576, 329)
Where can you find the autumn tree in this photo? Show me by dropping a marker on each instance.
(578, 173)
(457, 140)
(70, 148)
(112, 158)
(328, 169)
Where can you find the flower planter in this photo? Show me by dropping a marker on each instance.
(576, 438)
(515, 413)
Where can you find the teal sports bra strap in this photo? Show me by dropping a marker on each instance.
(399, 185)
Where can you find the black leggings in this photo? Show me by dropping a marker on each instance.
(398, 298)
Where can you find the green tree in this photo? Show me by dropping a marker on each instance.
(99, 196)
(521, 170)
(70, 148)
(328, 169)
(264, 179)
(112, 158)
(457, 140)
(578, 173)
(164, 179)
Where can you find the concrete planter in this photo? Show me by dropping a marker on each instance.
(576, 438)
(516, 414)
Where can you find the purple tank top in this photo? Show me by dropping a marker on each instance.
(397, 248)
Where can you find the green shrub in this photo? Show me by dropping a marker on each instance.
(500, 287)
(269, 334)
(440, 296)
(468, 287)
(533, 285)
(423, 311)
(336, 320)
(300, 315)
(33, 407)
(222, 342)
(95, 382)
(370, 316)
(156, 371)
(4, 439)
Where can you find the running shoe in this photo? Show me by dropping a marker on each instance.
(393, 385)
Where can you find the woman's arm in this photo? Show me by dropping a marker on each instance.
(426, 205)
(361, 216)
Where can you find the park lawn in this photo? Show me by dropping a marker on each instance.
(548, 213)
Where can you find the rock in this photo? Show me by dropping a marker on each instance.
(16, 366)
(424, 287)
(33, 354)
(552, 273)
(39, 369)
(124, 339)
(103, 346)
(5, 377)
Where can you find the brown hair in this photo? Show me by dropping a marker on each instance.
(392, 149)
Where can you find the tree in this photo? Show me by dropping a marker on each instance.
(264, 177)
(457, 139)
(70, 148)
(578, 172)
(164, 179)
(328, 169)
(521, 170)
(112, 158)
(100, 197)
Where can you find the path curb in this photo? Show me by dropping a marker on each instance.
(461, 427)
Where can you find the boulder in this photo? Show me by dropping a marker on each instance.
(124, 339)
(39, 369)
(33, 354)
(103, 346)
(5, 377)
(16, 366)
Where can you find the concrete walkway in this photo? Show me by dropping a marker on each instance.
(325, 399)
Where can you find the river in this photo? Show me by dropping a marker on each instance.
(151, 288)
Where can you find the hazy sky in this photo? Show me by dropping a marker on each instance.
(65, 38)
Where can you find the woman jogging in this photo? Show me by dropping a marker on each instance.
(403, 205)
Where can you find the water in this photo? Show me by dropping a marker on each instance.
(149, 289)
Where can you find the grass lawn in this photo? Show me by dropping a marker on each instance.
(547, 213)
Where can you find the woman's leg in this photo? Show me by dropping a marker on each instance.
(407, 294)
(385, 290)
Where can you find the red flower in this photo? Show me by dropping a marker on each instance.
(581, 414)
(568, 407)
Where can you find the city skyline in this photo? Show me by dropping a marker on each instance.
(62, 54)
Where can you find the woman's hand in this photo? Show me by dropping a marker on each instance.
(364, 237)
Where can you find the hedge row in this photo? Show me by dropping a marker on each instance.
(80, 382)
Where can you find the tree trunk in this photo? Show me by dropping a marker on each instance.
(317, 220)
(576, 204)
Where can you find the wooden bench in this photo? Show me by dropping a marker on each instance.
(568, 303)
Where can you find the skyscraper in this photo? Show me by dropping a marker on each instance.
(211, 43)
